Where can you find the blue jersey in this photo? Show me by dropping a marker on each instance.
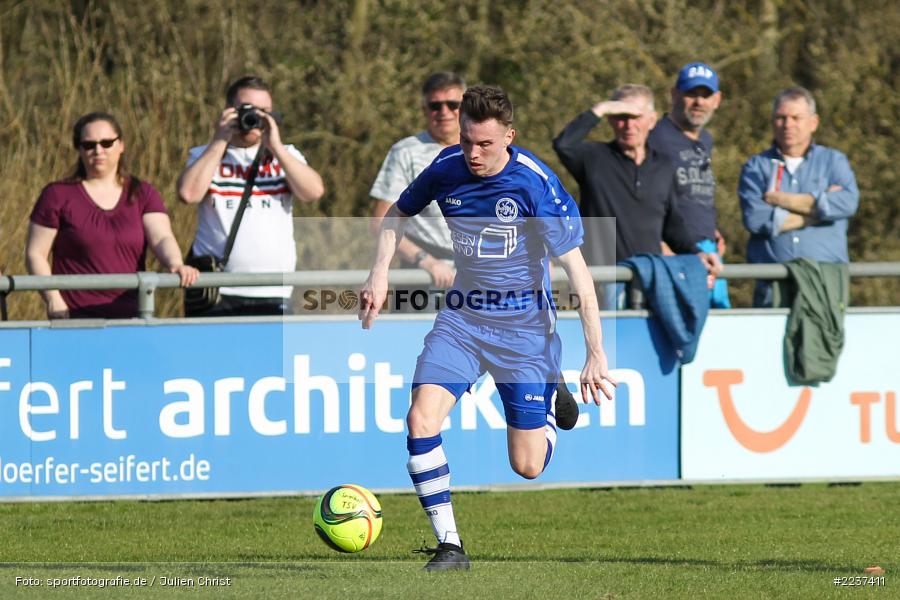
(503, 227)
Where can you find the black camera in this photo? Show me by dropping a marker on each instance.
(248, 118)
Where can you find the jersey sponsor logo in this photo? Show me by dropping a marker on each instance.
(453, 201)
(463, 243)
(507, 210)
(497, 241)
(461, 237)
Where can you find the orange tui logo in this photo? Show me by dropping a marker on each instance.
(755, 441)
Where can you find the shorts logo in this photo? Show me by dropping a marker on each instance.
(453, 201)
(507, 210)
(534, 397)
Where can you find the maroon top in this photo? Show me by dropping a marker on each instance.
(91, 240)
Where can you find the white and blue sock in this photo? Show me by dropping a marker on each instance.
(550, 431)
(430, 475)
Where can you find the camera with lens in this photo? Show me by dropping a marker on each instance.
(248, 118)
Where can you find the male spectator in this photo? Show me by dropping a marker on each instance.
(628, 180)
(427, 243)
(796, 197)
(680, 136)
(215, 178)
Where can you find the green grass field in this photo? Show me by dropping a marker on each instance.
(748, 541)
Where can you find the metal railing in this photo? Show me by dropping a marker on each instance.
(147, 283)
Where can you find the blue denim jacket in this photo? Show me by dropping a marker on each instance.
(826, 241)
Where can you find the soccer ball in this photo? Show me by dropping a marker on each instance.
(348, 518)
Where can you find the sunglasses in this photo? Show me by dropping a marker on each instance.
(88, 145)
(437, 104)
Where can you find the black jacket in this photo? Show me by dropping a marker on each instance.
(643, 198)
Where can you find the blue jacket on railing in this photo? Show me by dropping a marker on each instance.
(675, 289)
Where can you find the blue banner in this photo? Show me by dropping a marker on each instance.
(190, 408)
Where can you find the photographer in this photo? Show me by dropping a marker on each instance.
(215, 178)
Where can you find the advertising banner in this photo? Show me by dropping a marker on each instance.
(15, 447)
(742, 420)
(301, 405)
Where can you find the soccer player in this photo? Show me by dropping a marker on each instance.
(426, 241)
(506, 210)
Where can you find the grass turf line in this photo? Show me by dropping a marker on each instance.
(747, 541)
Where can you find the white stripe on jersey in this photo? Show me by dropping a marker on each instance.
(443, 158)
(526, 160)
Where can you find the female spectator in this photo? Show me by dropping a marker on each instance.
(99, 220)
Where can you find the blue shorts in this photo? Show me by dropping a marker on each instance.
(524, 365)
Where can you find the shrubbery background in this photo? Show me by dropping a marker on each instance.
(346, 75)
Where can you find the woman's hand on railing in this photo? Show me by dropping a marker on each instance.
(57, 308)
(187, 274)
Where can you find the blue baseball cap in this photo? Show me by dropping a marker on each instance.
(697, 74)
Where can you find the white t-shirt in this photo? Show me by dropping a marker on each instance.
(265, 238)
(403, 163)
(792, 162)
